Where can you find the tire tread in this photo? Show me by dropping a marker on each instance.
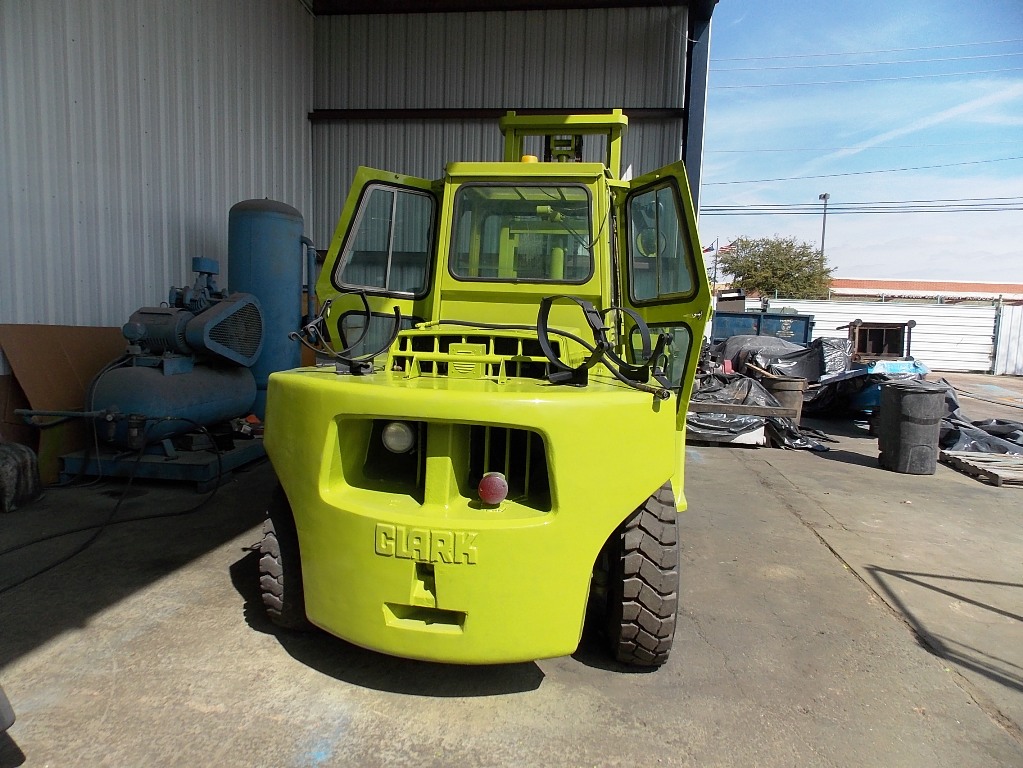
(644, 584)
(280, 569)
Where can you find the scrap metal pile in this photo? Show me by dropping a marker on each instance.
(837, 381)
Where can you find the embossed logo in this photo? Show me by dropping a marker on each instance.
(427, 545)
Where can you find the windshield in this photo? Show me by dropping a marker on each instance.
(522, 232)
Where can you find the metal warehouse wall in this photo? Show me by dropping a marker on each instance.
(947, 337)
(555, 60)
(1009, 354)
(130, 127)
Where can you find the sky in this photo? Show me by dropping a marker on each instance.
(807, 98)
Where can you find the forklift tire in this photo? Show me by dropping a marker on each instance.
(643, 586)
(280, 569)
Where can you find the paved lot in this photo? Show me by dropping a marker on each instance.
(834, 615)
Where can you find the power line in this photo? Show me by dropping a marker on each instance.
(869, 79)
(714, 211)
(868, 53)
(937, 201)
(863, 173)
(859, 149)
(949, 205)
(1015, 199)
(871, 63)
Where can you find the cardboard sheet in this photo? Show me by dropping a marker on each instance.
(52, 366)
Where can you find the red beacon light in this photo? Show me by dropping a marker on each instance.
(493, 488)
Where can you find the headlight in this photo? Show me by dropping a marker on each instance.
(398, 437)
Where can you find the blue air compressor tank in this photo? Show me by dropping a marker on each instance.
(173, 404)
(265, 258)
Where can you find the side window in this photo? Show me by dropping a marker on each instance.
(659, 262)
(677, 353)
(389, 246)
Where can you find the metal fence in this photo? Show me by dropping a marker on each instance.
(1009, 341)
(947, 337)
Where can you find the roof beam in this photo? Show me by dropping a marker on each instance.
(354, 7)
(474, 113)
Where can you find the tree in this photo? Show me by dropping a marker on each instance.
(777, 266)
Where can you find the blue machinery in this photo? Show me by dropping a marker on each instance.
(187, 364)
(266, 249)
(204, 357)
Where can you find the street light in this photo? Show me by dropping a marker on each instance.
(824, 224)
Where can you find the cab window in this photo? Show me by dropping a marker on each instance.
(659, 262)
(390, 244)
(522, 233)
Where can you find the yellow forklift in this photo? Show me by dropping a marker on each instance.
(493, 437)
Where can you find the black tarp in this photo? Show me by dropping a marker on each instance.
(837, 354)
(776, 356)
(958, 433)
(734, 388)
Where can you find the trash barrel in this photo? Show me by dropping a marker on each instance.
(787, 390)
(909, 422)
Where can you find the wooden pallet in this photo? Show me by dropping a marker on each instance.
(999, 468)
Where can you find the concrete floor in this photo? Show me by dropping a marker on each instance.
(834, 614)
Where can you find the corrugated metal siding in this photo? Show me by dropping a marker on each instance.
(505, 60)
(539, 59)
(1009, 353)
(130, 128)
(947, 337)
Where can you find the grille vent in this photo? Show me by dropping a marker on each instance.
(519, 455)
(464, 355)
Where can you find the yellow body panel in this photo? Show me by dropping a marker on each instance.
(517, 586)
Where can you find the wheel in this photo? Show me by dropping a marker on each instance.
(643, 582)
(280, 567)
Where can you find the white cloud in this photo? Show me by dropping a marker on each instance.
(968, 108)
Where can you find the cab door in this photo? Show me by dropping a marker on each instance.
(661, 271)
(382, 255)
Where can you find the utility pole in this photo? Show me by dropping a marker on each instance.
(715, 286)
(824, 224)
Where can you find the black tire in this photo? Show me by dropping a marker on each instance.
(643, 582)
(280, 567)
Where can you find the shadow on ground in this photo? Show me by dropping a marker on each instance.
(351, 664)
(129, 555)
(11, 755)
(998, 670)
(842, 425)
(595, 648)
(848, 457)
